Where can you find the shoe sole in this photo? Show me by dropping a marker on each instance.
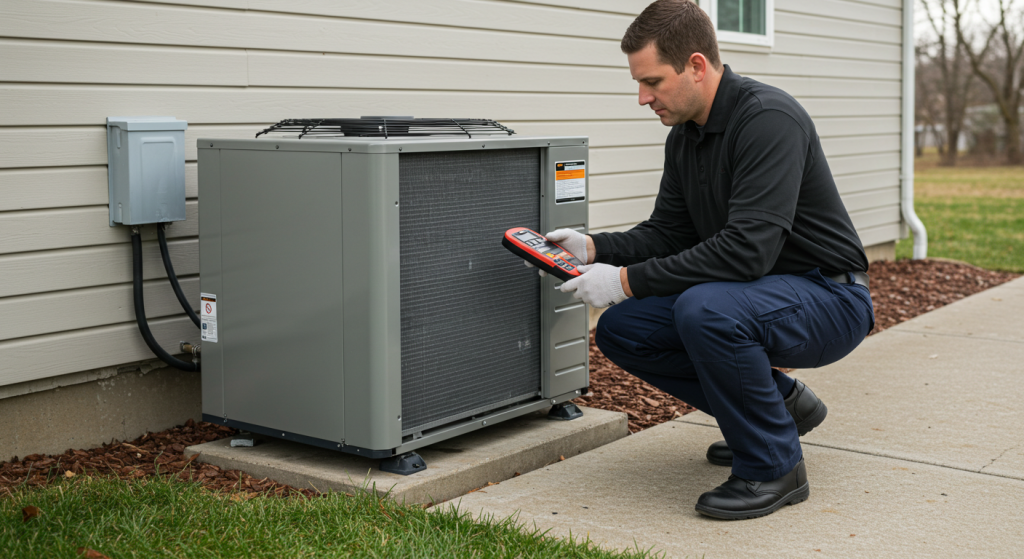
(813, 420)
(798, 495)
(806, 426)
(719, 461)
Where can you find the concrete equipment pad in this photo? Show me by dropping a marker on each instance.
(949, 401)
(454, 467)
(994, 314)
(640, 491)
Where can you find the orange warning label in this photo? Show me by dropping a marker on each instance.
(570, 181)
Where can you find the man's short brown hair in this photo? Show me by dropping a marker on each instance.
(678, 28)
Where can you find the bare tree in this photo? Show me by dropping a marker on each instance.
(1004, 40)
(922, 103)
(947, 59)
(928, 100)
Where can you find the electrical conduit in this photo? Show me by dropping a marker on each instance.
(140, 310)
(172, 277)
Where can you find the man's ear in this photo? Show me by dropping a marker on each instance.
(700, 66)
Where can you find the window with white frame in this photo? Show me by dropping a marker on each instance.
(749, 22)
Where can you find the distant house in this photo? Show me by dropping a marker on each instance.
(984, 131)
(74, 371)
(933, 136)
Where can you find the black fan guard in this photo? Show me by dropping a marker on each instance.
(386, 127)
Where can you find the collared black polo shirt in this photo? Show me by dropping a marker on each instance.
(747, 195)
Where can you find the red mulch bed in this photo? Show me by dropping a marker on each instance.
(149, 455)
(900, 291)
(904, 289)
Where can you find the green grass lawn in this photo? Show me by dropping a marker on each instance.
(973, 214)
(159, 517)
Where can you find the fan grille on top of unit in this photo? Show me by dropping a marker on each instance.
(386, 127)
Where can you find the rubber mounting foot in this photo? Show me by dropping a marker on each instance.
(566, 411)
(403, 464)
(244, 439)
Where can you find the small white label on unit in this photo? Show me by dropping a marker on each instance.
(570, 181)
(209, 316)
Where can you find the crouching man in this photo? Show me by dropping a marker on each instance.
(749, 261)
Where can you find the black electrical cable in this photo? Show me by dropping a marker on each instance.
(173, 278)
(140, 310)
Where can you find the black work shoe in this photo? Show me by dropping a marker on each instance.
(738, 498)
(803, 406)
(720, 454)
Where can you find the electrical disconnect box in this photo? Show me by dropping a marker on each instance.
(146, 169)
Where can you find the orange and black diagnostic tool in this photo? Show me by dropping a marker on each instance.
(542, 253)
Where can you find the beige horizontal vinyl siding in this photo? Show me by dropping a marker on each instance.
(232, 67)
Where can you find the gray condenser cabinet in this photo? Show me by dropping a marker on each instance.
(363, 301)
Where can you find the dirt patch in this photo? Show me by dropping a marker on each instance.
(967, 190)
(899, 290)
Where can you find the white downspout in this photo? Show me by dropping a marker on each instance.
(907, 171)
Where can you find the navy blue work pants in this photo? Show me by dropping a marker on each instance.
(714, 346)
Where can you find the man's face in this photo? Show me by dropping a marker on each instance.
(674, 97)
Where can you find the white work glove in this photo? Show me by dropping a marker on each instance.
(569, 239)
(599, 286)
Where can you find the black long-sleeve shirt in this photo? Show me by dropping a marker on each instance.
(747, 195)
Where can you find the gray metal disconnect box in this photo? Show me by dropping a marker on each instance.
(364, 301)
(146, 169)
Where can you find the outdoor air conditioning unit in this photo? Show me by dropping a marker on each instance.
(356, 294)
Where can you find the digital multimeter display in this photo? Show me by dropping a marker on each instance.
(542, 253)
(539, 244)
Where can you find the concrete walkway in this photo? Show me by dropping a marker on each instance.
(922, 455)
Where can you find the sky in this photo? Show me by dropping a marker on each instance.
(978, 10)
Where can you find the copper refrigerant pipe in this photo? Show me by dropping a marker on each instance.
(190, 348)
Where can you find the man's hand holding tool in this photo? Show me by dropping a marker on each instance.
(601, 285)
